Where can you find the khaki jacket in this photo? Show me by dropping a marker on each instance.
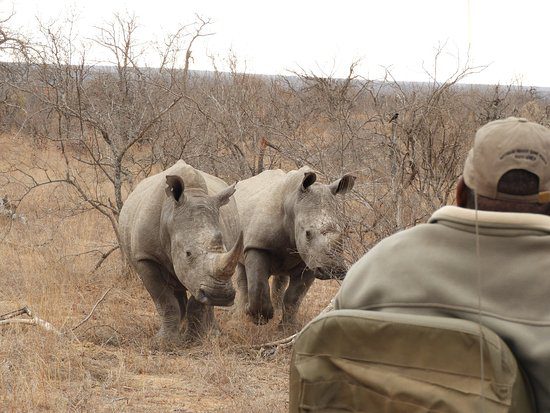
(434, 269)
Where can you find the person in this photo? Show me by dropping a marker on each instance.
(486, 259)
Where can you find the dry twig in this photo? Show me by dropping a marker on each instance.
(14, 313)
(271, 348)
(9, 318)
(93, 309)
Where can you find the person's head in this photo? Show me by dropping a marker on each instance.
(508, 168)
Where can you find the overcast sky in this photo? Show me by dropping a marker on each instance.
(272, 37)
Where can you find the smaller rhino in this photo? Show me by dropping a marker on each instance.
(292, 230)
(174, 228)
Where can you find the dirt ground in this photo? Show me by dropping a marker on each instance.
(111, 362)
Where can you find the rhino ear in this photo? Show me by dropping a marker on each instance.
(309, 179)
(343, 185)
(175, 187)
(223, 196)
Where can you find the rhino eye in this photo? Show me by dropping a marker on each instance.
(308, 235)
(188, 253)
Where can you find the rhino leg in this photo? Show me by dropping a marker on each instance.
(278, 287)
(164, 297)
(242, 287)
(181, 296)
(300, 281)
(200, 321)
(259, 306)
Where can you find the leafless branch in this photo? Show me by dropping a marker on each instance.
(271, 348)
(92, 310)
(104, 256)
(33, 320)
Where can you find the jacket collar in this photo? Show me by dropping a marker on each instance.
(490, 218)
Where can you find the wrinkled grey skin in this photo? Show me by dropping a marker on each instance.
(292, 230)
(175, 227)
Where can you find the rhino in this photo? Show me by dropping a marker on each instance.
(291, 230)
(176, 228)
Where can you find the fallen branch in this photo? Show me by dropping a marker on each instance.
(9, 318)
(271, 348)
(14, 313)
(93, 309)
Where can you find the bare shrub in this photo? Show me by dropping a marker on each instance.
(104, 119)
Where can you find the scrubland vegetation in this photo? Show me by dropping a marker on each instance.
(77, 137)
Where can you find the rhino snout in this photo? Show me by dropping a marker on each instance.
(222, 298)
(338, 273)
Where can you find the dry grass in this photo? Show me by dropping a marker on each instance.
(111, 363)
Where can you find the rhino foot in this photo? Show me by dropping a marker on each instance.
(191, 340)
(167, 341)
(175, 343)
(261, 316)
(194, 334)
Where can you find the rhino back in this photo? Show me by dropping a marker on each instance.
(140, 214)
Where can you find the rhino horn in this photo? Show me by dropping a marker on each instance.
(226, 262)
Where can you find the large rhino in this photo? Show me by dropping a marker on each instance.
(175, 227)
(291, 230)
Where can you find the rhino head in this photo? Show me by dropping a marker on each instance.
(317, 229)
(195, 243)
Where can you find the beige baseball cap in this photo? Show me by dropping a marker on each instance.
(503, 145)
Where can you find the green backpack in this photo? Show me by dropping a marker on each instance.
(381, 362)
